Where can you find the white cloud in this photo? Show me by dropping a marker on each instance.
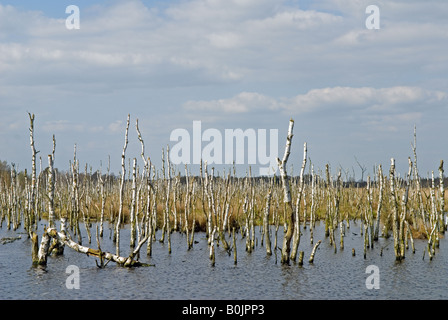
(383, 99)
(386, 99)
(62, 126)
(116, 126)
(383, 109)
(225, 40)
(242, 103)
(232, 62)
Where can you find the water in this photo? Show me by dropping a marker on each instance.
(189, 274)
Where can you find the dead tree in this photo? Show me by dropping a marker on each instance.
(33, 189)
(286, 248)
(50, 186)
(380, 203)
(123, 178)
(442, 213)
(296, 238)
(133, 213)
(313, 252)
(149, 230)
(40, 258)
(395, 214)
(266, 223)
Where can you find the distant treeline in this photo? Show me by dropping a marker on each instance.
(5, 176)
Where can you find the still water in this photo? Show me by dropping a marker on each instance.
(189, 274)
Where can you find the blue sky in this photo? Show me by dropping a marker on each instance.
(352, 92)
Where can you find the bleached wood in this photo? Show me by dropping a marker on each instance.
(442, 212)
(380, 203)
(50, 186)
(33, 187)
(122, 183)
(313, 252)
(296, 237)
(266, 231)
(286, 248)
(395, 217)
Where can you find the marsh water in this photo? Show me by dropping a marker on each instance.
(188, 274)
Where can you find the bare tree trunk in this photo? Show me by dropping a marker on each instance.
(63, 238)
(212, 246)
(153, 220)
(443, 226)
(175, 198)
(149, 217)
(193, 224)
(418, 184)
(434, 216)
(167, 203)
(234, 246)
(287, 197)
(266, 223)
(313, 204)
(366, 239)
(13, 199)
(50, 186)
(296, 239)
(380, 203)
(33, 190)
(410, 236)
(311, 260)
(102, 184)
(395, 218)
(328, 212)
(133, 204)
(338, 219)
(251, 213)
(35, 248)
(43, 249)
(123, 178)
(75, 198)
(187, 206)
(86, 217)
(402, 233)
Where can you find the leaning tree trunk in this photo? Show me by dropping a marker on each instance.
(313, 252)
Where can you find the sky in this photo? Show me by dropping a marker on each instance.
(354, 93)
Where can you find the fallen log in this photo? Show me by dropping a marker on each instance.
(40, 258)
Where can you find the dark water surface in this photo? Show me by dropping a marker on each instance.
(189, 274)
